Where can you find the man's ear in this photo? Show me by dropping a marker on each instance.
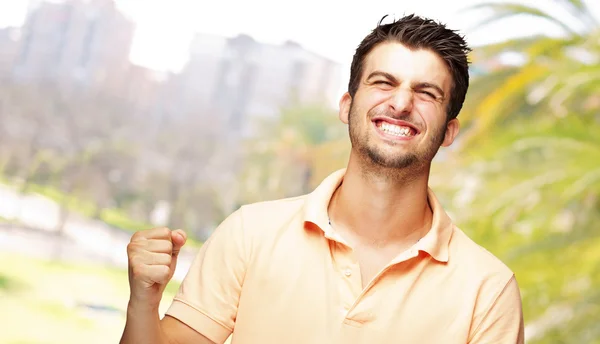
(452, 129)
(345, 103)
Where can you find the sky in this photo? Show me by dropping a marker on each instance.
(331, 28)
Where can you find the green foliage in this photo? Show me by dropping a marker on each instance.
(73, 203)
(292, 153)
(526, 177)
(116, 218)
(8, 284)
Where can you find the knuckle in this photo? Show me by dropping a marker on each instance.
(164, 271)
(160, 273)
(131, 248)
(137, 235)
(136, 262)
(134, 247)
(169, 246)
(161, 259)
(165, 232)
(137, 271)
(167, 259)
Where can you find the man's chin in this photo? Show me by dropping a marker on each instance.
(392, 162)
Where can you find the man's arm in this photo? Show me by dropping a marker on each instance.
(144, 326)
(207, 300)
(503, 322)
(180, 333)
(205, 307)
(152, 256)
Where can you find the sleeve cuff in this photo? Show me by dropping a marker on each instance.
(199, 321)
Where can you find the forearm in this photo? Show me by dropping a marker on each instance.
(143, 326)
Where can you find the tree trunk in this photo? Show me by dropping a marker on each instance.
(63, 217)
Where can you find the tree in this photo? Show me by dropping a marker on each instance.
(527, 171)
(292, 153)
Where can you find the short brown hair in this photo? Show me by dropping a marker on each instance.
(416, 32)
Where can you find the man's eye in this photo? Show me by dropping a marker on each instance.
(429, 94)
(382, 82)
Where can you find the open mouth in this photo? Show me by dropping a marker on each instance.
(399, 129)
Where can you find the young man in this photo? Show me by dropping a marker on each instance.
(370, 256)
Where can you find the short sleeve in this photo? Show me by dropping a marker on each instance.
(208, 297)
(503, 322)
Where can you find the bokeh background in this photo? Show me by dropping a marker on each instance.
(122, 115)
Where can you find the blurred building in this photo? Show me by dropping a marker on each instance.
(82, 40)
(9, 38)
(141, 87)
(238, 80)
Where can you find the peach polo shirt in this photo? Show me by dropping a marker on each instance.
(276, 272)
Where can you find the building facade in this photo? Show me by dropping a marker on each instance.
(242, 80)
(74, 40)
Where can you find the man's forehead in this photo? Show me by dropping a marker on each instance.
(402, 62)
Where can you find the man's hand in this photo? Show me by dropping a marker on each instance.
(152, 257)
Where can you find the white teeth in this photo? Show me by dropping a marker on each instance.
(395, 129)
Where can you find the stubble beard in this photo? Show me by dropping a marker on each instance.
(382, 160)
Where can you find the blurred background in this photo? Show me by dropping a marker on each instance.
(122, 115)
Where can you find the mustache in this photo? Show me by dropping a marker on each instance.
(402, 116)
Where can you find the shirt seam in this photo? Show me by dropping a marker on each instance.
(487, 312)
(245, 244)
(196, 308)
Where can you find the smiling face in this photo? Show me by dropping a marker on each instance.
(398, 116)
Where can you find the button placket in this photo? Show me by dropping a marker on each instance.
(347, 272)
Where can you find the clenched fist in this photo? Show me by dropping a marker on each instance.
(152, 257)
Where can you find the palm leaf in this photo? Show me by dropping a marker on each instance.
(485, 52)
(497, 104)
(580, 10)
(505, 10)
(586, 182)
(532, 181)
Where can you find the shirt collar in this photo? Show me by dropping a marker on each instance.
(435, 242)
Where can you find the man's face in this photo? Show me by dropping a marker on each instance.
(397, 117)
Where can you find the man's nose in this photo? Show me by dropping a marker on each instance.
(401, 101)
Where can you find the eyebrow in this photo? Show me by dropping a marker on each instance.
(430, 85)
(419, 85)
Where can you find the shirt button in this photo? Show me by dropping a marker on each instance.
(348, 272)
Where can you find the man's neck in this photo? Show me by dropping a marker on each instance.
(381, 207)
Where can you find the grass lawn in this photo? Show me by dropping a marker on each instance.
(111, 216)
(45, 302)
